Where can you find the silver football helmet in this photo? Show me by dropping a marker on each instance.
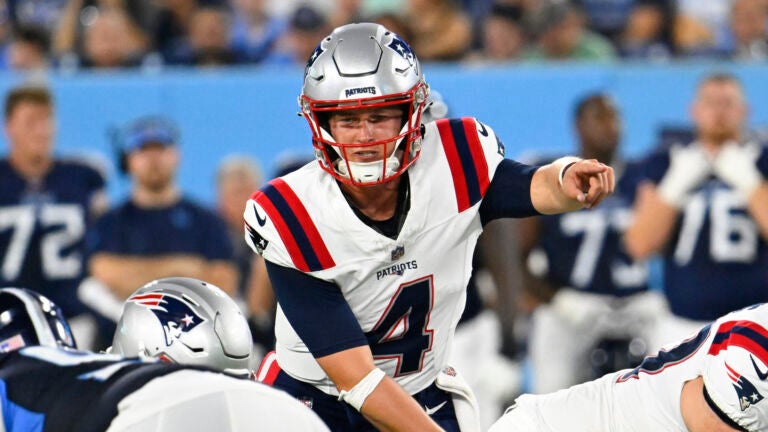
(363, 66)
(186, 321)
(28, 318)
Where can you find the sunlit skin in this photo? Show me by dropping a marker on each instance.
(152, 168)
(369, 125)
(719, 112)
(30, 130)
(599, 129)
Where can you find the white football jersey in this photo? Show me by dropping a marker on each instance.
(406, 293)
(731, 355)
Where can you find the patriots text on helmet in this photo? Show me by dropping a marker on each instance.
(371, 90)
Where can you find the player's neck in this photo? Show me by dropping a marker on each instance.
(696, 413)
(149, 198)
(377, 202)
(605, 157)
(712, 144)
(31, 168)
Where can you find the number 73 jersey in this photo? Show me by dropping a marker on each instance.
(408, 293)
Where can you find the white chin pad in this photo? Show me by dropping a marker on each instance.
(365, 172)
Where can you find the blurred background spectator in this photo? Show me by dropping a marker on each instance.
(441, 31)
(647, 33)
(749, 30)
(701, 27)
(560, 33)
(237, 178)
(306, 27)
(502, 34)
(28, 49)
(157, 232)
(255, 31)
(111, 41)
(209, 39)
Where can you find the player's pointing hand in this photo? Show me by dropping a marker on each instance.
(588, 181)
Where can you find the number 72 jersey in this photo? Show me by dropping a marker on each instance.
(42, 227)
(408, 293)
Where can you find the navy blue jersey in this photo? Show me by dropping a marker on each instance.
(183, 228)
(51, 390)
(584, 249)
(42, 227)
(716, 261)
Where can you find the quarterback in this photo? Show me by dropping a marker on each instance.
(714, 381)
(369, 250)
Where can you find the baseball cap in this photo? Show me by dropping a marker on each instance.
(149, 130)
(736, 377)
(307, 18)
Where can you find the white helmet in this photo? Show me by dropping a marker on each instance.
(736, 374)
(186, 321)
(363, 66)
(28, 318)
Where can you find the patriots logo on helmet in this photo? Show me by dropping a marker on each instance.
(315, 54)
(745, 390)
(402, 49)
(176, 315)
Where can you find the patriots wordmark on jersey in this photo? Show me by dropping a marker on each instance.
(406, 293)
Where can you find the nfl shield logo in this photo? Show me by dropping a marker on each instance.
(398, 253)
(307, 401)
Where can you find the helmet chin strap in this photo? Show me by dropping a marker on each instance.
(365, 172)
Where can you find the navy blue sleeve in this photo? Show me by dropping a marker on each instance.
(762, 160)
(218, 245)
(317, 311)
(656, 165)
(96, 180)
(509, 194)
(628, 180)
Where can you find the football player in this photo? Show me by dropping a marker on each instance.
(713, 381)
(369, 251)
(576, 264)
(705, 211)
(45, 206)
(186, 321)
(48, 385)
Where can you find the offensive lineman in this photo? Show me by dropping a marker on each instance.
(714, 381)
(47, 385)
(369, 251)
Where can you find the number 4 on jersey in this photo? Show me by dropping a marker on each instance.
(402, 332)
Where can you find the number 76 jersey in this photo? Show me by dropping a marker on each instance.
(408, 293)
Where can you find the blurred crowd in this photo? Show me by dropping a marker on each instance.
(101, 34)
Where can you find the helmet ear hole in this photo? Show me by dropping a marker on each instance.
(180, 320)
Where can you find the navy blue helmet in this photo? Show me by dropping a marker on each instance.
(28, 318)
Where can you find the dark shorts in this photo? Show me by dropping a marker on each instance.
(342, 417)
